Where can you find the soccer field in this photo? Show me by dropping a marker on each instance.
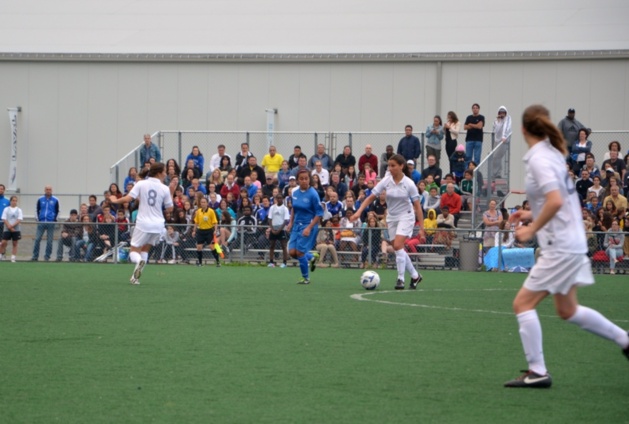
(247, 344)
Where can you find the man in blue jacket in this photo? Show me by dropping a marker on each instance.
(47, 211)
(409, 145)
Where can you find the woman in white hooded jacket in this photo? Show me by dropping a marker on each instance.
(502, 136)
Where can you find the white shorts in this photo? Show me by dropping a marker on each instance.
(140, 238)
(558, 272)
(403, 227)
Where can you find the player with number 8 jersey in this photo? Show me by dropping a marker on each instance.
(154, 198)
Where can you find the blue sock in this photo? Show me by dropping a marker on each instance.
(303, 265)
(308, 256)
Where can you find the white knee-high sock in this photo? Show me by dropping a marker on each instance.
(145, 256)
(531, 336)
(594, 322)
(135, 257)
(409, 266)
(400, 262)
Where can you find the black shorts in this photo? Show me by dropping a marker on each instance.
(8, 235)
(281, 236)
(205, 236)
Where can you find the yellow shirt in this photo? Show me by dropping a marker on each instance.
(272, 164)
(205, 220)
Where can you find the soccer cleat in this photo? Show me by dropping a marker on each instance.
(137, 272)
(303, 281)
(532, 380)
(313, 261)
(1, 257)
(134, 281)
(199, 263)
(399, 285)
(415, 282)
(612, 272)
(283, 266)
(271, 265)
(625, 351)
(13, 258)
(218, 264)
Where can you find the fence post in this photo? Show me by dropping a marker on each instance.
(242, 243)
(179, 152)
(423, 150)
(115, 246)
(369, 247)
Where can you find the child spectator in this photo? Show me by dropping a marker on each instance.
(434, 200)
(467, 190)
(170, 244)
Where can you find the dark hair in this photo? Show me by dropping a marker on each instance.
(200, 154)
(468, 172)
(3, 186)
(453, 116)
(476, 104)
(585, 131)
(93, 196)
(408, 126)
(439, 118)
(615, 142)
(400, 160)
(156, 169)
(536, 121)
(12, 197)
(304, 171)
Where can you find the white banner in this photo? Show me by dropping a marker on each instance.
(12, 184)
(270, 126)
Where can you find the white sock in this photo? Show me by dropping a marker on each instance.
(531, 336)
(409, 266)
(400, 262)
(135, 257)
(594, 322)
(145, 256)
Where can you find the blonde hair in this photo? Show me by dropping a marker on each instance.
(536, 121)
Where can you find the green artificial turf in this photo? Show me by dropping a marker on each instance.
(79, 344)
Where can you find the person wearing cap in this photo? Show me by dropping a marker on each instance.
(415, 174)
(267, 189)
(70, 233)
(272, 162)
(502, 135)
(292, 183)
(570, 127)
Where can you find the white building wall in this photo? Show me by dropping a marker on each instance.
(79, 118)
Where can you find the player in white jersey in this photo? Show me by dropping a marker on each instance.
(402, 199)
(563, 264)
(154, 198)
(11, 217)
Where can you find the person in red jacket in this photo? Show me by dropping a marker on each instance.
(452, 201)
(230, 186)
(368, 157)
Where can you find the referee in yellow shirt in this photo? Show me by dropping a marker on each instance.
(205, 222)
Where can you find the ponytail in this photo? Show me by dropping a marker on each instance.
(536, 121)
(402, 162)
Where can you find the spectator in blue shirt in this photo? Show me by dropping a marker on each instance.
(47, 211)
(415, 175)
(149, 150)
(197, 157)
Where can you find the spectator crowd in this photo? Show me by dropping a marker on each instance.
(241, 188)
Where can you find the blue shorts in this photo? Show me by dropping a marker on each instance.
(299, 242)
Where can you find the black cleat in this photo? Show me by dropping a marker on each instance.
(532, 380)
(625, 351)
(399, 285)
(415, 282)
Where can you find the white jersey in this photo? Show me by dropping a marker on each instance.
(546, 172)
(12, 215)
(154, 197)
(400, 197)
(278, 215)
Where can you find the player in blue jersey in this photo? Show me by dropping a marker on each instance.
(304, 225)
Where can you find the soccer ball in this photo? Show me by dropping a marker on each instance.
(370, 280)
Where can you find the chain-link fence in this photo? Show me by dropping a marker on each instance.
(439, 248)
